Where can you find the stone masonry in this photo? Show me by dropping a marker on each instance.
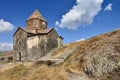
(36, 40)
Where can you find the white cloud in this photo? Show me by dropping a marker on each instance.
(6, 46)
(56, 23)
(82, 13)
(56, 28)
(108, 7)
(82, 39)
(5, 26)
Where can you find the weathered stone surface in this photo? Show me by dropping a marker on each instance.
(36, 40)
(20, 45)
(36, 21)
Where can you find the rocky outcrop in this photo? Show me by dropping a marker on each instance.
(97, 58)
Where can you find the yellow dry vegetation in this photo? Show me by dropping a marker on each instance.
(75, 63)
(28, 72)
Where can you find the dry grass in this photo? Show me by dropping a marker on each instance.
(14, 73)
(62, 50)
(42, 72)
(75, 63)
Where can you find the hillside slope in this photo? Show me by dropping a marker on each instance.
(97, 58)
(0, 52)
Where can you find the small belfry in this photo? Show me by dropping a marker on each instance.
(36, 22)
(35, 40)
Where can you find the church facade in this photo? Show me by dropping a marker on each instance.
(35, 40)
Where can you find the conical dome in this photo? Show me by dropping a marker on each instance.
(36, 22)
(36, 14)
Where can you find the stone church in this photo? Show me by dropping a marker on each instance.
(35, 40)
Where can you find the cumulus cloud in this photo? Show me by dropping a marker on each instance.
(6, 46)
(82, 13)
(82, 39)
(108, 7)
(5, 26)
(56, 23)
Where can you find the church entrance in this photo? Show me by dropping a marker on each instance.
(19, 56)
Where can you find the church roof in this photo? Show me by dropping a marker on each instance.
(39, 32)
(45, 31)
(36, 14)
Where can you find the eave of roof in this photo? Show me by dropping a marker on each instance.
(18, 29)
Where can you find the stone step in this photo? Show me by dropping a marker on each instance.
(48, 61)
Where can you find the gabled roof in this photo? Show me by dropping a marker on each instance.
(45, 31)
(19, 29)
(36, 14)
(39, 32)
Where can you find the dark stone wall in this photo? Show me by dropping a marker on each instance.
(52, 40)
(34, 47)
(52, 44)
(20, 45)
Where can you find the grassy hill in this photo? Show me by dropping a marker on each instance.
(1, 52)
(97, 58)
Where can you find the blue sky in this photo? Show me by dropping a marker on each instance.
(73, 19)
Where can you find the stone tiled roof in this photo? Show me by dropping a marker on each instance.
(36, 14)
(41, 32)
(45, 31)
